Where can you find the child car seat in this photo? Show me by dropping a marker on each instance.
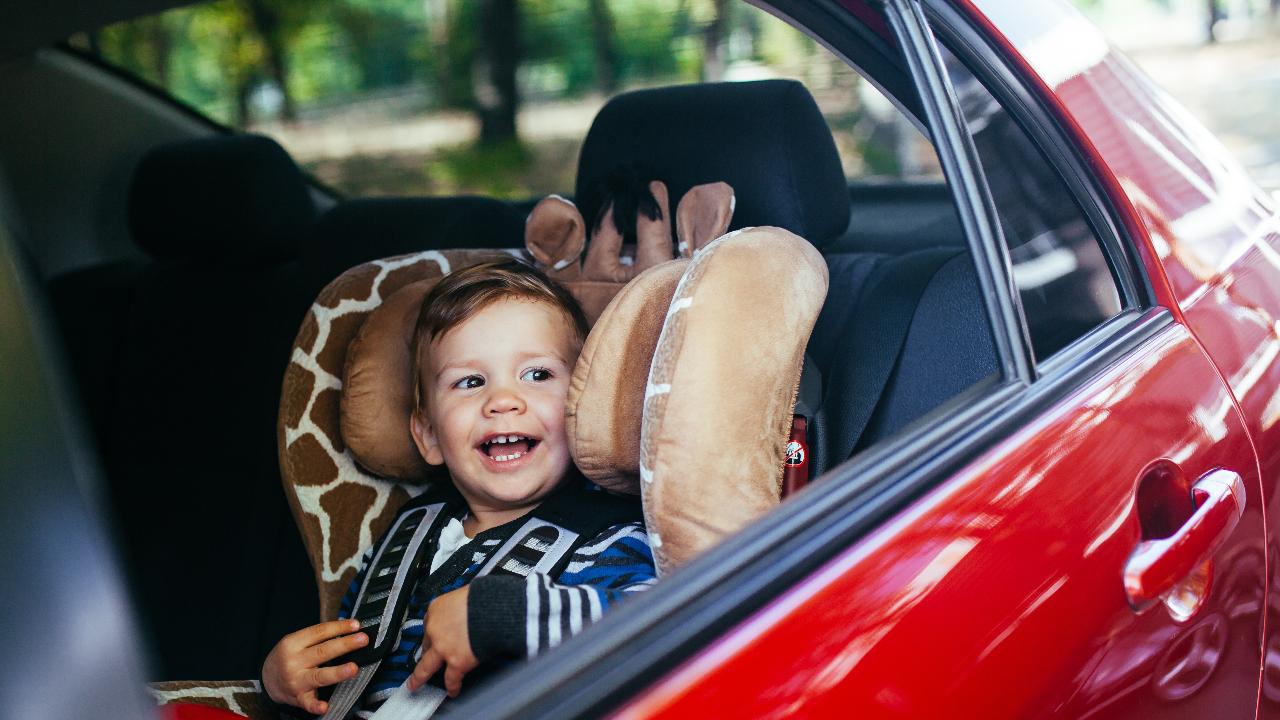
(347, 458)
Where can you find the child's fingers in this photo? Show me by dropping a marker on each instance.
(315, 634)
(312, 704)
(326, 676)
(337, 647)
(427, 666)
(453, 680)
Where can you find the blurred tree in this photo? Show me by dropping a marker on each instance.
(713, 42)
(1212, 16)
(606, 54)
(494, 72)
(277, 22)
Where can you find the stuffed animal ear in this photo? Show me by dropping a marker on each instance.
(653, 243)
(653, 237)
(554, 235)
(704, 215)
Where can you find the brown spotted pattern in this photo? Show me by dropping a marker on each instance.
(338, 506)
(239, 696)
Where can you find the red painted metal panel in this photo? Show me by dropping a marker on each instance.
(1215, 236)
(999, 594)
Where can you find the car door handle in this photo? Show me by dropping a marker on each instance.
(1157, 565)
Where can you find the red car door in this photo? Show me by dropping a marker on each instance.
(1104, 556)
(1001, 593)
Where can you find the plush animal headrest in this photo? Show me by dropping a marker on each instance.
(722, 388)
(766, 139)
(378, 384)
(556, 236)
(233, 197)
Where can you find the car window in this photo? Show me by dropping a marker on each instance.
(386, 98)
(1064, 280)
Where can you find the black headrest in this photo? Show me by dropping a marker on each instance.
(228, 197)
(767, 139)
(358, 231)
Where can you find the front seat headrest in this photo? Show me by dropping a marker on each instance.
(766, 139)
(227, 197)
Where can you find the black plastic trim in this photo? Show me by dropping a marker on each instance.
(1038, 119)
(967, 180)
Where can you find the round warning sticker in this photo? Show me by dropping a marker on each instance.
(795, 453)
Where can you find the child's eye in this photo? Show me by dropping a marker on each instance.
(536, 375)
(469, 382)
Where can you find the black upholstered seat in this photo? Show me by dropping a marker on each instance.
(180, 359)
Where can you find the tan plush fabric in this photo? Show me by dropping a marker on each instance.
(606, 395)
(375, 406)
(721, 389)
(556, 233)
(239, 696)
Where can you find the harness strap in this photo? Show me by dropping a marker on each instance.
(536, 547)
(381, 602)
(542, 544)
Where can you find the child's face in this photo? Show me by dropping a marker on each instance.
(503, 374)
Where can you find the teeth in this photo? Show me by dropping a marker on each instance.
(502, 439)
(504, 458)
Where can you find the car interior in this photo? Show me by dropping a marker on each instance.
(179, 260)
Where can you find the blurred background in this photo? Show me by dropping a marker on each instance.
(445, 97)
(1220, 58)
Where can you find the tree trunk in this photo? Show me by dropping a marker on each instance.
(495, 71)
(268, 23)
(712, 42)
(605, 51)
(438, 20)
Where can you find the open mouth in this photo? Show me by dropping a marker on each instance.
(507, 447)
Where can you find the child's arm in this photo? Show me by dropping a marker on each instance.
(514, 616)
(511, 616)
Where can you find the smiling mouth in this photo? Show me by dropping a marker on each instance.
(507, 447)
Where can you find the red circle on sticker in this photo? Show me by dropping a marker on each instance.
(795, 453)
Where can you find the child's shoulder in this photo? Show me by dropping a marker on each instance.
(584, 504)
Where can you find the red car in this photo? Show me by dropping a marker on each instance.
(1050, 427)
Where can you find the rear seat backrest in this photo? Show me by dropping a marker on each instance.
(357, 231)
(203, 339)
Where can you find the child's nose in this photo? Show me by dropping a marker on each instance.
(504, 400)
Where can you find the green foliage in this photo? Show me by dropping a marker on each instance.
(365, 64)
(488, 169)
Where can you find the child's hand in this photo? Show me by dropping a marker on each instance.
(293, 671)
(445, 642)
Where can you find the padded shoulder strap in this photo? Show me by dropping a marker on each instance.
(881, 320)
(570, 518)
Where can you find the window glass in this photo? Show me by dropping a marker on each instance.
(389, 97)
(1062, 274)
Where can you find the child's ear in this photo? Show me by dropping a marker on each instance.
(425, 439)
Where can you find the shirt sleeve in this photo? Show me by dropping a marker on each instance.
(510, 616)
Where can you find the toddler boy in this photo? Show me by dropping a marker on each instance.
(494, 349)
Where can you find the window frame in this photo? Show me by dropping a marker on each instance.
(1039, 120)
